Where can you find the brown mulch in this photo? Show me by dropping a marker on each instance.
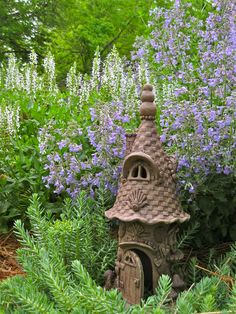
(8, 263)
(10, 267)
(204, 253)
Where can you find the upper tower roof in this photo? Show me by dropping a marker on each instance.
(147, 139)
(147, 192)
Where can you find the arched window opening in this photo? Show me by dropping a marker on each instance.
(135, 172)
(143, 173)
(139, 172)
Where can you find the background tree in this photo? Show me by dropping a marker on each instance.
(72, 29)
(24, 26)
(81, 26)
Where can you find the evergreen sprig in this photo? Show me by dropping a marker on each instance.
(17, 292)
(47, 256)
(97, 299)
(187, 235)
(156, 303)
(62, 277)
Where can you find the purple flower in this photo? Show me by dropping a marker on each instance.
(212, 116)
(92, 113)
(200, 129)
(62, 144)
(211, 132)
(163, 137)
(57, 158)
(212, 82)
(75, 148)
(193, 66)
(125, 119)
(191, 189)
(180, 91)
(140, 53)
(221, 124)
(227, 170)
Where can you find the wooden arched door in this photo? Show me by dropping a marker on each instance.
(131, 278)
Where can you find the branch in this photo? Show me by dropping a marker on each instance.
(108, 45)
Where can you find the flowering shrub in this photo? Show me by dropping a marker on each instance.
(9, 120)
(191, 58)
(194, 60)
(18, 77)
(102, 105)
(194, 77)
(78, 135)
(89, 156)
(26, 102)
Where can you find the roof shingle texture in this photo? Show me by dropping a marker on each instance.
(161, 201)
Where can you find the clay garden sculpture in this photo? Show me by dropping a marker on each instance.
(148, 211)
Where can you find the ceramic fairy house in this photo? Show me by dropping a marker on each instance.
(148, 211)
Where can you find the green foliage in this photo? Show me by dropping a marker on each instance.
(21, 175)
(200, 299)
(30, 299)
(82, 26)
(63, 279)
(212, 208)
(62, 285)
(192, 272)
(23, 27)
(96, 300)
(81, 233)
(71, 29)
(232, 303)
(163, 290)
(21, 169)
(156, 303)
(186, 237)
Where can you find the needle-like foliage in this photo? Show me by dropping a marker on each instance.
(65, 259)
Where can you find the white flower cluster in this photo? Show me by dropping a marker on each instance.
(50, 76)
(26, 77)
(115, 76)
(14, 79)
(32, 80)
(9, 120)
(73, 81)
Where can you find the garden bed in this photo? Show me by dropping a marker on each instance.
(8, 263)
(205, 253)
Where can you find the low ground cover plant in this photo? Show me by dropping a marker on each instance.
(65, 259)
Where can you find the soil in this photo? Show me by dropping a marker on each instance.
(8, 263)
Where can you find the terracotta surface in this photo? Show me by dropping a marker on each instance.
(162, 204)
(148, 211)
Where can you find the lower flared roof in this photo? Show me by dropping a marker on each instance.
(150, 204)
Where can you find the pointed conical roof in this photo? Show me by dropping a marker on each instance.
(153, 200)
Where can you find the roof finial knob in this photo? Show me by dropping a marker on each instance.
(148, 108)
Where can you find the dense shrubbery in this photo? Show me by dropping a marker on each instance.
(74, 139)
(70, 141)
(24, 108)
(56, 253)
(198, 69)
(58, 134)
(193, 60)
